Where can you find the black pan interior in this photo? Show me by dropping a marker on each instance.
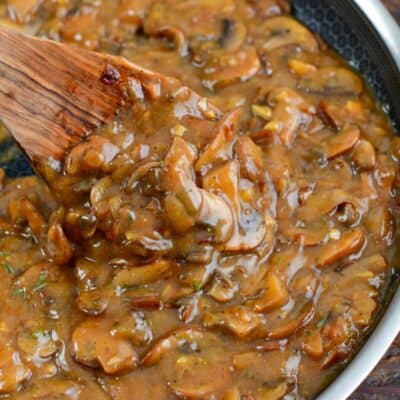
(346, 29)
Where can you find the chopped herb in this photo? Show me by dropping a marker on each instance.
(4, 253)
(322, 322)
(38, 333)
(40, 283)
(20, 292)
(197, 286)
(7, 267)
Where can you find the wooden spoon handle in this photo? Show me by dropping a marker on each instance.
(54, 91)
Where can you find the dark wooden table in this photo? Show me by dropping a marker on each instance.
(384, 381)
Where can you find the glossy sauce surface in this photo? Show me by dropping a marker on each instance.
(235, 246)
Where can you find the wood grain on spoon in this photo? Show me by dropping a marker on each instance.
(53, 95)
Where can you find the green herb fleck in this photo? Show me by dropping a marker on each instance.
(197, 286)
(38, 333)
(19, 292)
(7, 267)
(40, 283)
(4, 253)
(322, 322)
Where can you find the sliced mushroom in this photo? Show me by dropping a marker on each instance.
(172, 292)
(179, 175)
(304, 283)
(224, 179)
(58, 389)
(312, 344)
(379, 222)
(139, 229)
(80, 223)
(249, 230)
(224, 69)
(192, 204)
(232, 394)
(280, 328)
(341, 142)
(91, 275)
(233, 35)
(272, 393)
(347, 214)
(216, 213)
(91, 156)
(194, 356)
(140, 275)
(38, 346)
(312, 234)
(364, 155)
(275, 294)
(300, 67)
(22, 211)
(395, 148)
(243, 361)
(335, 334)
(63, 388)
(12, 370)
(93, 345)
(194, 372)
(52, 239)
(323, 202)
(286, 31)
(222, 289)
(239, 320)
(132, 327)
(336, 113)
(271, 345)
(92, 302)
(171, 341)
(99, 190)
(363, 307)
(182, 14)
(332, 80)
(177, 215)
(141, 171)
(220, 147)
(375, 263)
(290, 113)
(385, 172)
(250, 158)
(195, 276)
(147, 302)
(42, 278)
(270, 8)
(175, 35)
(58, 247)
(331, 114)
(350, 242)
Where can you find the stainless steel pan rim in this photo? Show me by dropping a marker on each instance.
(389, 326)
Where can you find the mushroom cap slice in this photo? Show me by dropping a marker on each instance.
(285, 31)
(332, 80)
(94, 346)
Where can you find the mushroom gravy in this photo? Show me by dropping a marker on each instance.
(235, 246)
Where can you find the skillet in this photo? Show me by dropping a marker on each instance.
(362, 32)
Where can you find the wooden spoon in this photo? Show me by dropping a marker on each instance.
(53, 95)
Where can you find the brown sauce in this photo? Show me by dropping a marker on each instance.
(192, 254)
